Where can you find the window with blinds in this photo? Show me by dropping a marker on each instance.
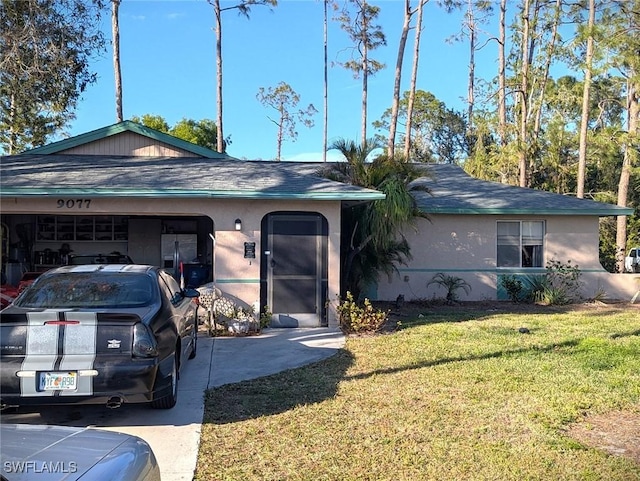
(520, 244)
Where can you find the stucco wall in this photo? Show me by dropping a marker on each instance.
(465, 246)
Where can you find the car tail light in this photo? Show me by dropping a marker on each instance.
(144, 344)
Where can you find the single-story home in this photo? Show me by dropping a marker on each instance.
(268, 233)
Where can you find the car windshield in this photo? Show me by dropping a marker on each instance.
(89, 290)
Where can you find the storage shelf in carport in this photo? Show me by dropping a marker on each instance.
(57, 228)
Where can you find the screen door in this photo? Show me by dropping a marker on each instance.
(294, 266)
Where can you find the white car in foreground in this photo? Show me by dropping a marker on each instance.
(52, 453)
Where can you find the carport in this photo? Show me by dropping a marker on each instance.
(38, 242)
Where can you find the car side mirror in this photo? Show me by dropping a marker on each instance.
(190, 292)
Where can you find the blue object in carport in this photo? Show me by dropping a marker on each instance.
(196, 274)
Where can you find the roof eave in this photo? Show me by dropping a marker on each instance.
(179, 193)
(615, 211)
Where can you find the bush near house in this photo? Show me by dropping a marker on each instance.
(559, 285)
(355, 318)
(452, 284)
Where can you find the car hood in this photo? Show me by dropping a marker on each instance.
(56, 453)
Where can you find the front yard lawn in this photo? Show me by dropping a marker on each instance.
(454, 394)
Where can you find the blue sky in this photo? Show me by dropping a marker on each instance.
(168, 69)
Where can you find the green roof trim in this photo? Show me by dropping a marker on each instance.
(179, 193)
(125, 126)
(606, 210)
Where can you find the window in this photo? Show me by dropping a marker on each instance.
(171, 288)
(520, 243)
(91, 290)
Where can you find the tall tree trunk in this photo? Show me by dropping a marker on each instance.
(551, 47)
(414, 78)
(218, 28)
(395, 104)
(366, 35)
(531, 152)
(13, 135)
(115, 31)
(524, 97)
(630, 160)
(471, 25)
(365, 73)
(502, 103)
(586, 94)
(326, 87)
(280, 137)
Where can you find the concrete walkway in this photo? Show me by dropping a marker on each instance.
(174, 435)
(235, 359)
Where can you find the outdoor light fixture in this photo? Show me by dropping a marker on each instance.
(238, 224)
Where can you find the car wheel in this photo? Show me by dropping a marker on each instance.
(169, 401)
(194, 343)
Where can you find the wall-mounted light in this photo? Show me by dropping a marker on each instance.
(238, 224)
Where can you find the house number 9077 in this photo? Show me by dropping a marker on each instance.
(74, 203)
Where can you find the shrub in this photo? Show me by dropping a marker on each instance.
(560, 285)
(452, 284)
(355, 318)
(513, 286)
(265, 318)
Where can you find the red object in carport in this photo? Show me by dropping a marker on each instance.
(7, 294)
(27, 279)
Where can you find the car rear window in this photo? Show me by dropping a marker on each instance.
(99, 259)
(89, 290)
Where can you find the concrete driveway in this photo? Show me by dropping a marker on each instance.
(174, 435)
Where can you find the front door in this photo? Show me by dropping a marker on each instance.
(295, 269)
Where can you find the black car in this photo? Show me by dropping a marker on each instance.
(97, 334)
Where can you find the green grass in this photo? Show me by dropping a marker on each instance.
(454, 395)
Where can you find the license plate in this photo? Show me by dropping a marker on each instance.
(58, 381)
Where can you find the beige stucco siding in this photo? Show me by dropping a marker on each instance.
(128, 143)
(465, 246)
(458, 245)
(573, 238)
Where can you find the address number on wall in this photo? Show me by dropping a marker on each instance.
(74, 203)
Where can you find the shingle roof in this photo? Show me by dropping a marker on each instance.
(25, 175)
(453, 191)
(126, 126)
